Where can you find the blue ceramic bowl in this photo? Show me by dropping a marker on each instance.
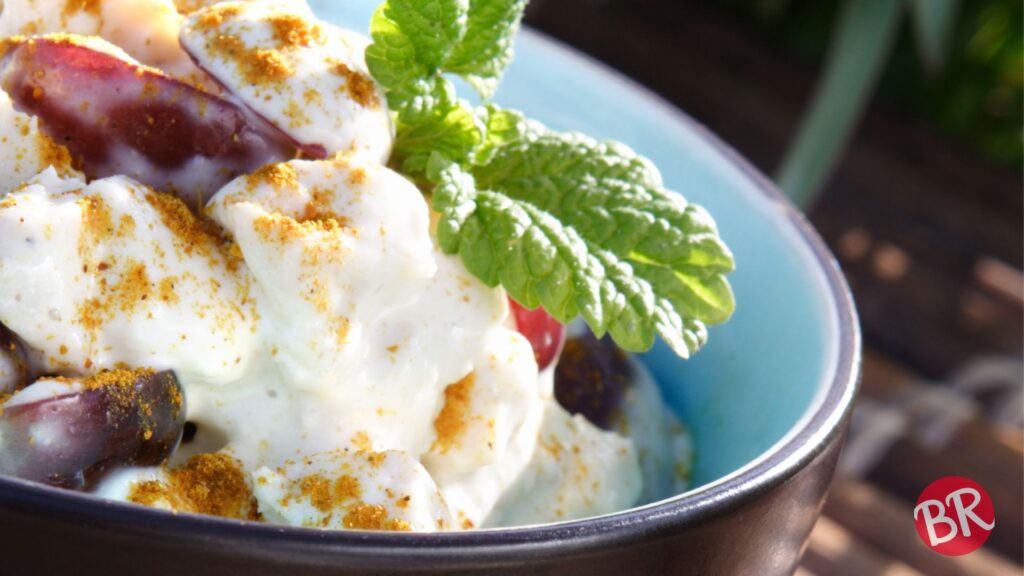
(767, 399)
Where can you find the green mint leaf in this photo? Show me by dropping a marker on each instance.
(544, 256)
(416, 42)
(463, 135)
(411, 41)
(431, 28)
(455, 135)
(614, 199)
(486, 49)
(501, 128)
(434, 26)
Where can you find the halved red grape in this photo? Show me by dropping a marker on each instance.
(591, 379)
(117, 117)
(545, 334)
(69, 432)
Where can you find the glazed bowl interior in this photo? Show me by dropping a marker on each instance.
(770, 366)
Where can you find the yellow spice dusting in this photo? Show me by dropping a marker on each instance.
(96, 222)
(123, 378)
(154, 493)
(132, 290)
(320, 203)
(375, 459)
(211, 18)
(53, 154)
(165, 290)
(357, 176)
(296, 115)
(348, 488)
(279, 175)
(325, 495)
(312, 97)
(90, 315)
(361, 441)
(192, 234)
(453, 419)
(292, 31)
(125, 226)
(190, 6)
(318, 490)
(264, 65)
(358, 85)
(341, 328)
(126, 295)
(28, 29)
(257, 66)
(372, 517)
(211, 484)
(72, 7)
(277, 227)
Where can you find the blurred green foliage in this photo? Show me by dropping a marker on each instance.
(976, 97)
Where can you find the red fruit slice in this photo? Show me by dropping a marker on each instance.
(70, 436)
(117, 117)
(545, 334)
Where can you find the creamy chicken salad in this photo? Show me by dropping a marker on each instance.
(228, 287)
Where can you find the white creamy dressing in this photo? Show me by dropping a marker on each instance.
(308, 78)
(328, 338)
(24, 149)
(391, 480)
(92, 277)
(663, 444)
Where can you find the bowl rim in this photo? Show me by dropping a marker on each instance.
(806, 440)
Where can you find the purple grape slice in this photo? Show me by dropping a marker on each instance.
(591, 378)
(120, 118)
(70, 432)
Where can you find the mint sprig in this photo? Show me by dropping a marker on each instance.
(456, 133)
(580, 227)
(415, 44)
(411, 41)
(486, 48)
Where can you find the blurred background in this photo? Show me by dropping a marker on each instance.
(897, 126)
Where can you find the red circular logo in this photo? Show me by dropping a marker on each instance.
(954, 516)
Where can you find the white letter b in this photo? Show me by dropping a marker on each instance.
(930, 521)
